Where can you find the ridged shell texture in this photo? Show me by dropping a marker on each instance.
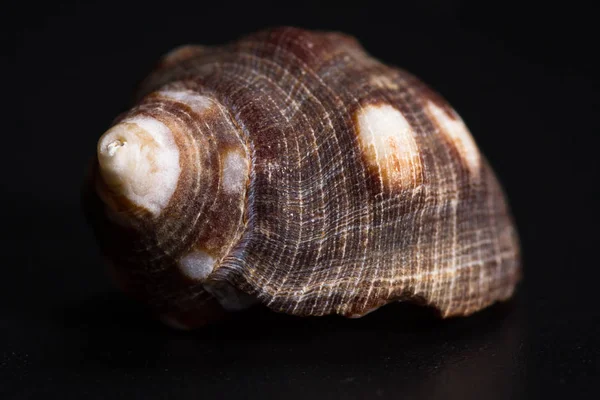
(293, 169)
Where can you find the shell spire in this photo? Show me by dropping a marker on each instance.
(139, 160)
(293, 169)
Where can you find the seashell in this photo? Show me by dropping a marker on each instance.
(291, 168)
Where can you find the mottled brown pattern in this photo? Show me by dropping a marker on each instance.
(321, 233)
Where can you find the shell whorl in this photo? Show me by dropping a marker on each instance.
(313, 179)
(172, 175)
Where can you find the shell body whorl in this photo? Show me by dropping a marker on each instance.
(313, 179)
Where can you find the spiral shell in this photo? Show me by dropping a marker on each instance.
(292, 169)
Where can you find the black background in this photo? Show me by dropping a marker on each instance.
(523, 77)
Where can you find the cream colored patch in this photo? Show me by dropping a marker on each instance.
(234, 172)
(195, 101)
(197, 265)
(139, 159)
(457, 132)
(384, 82)
(388, 143)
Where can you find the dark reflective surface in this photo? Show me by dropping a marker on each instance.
(104, 345)
(529, 94)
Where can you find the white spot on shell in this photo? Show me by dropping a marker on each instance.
(234, 172)
(195, 101)
(197, 265)
(454, 128)
(389, 145)
(139, 159)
